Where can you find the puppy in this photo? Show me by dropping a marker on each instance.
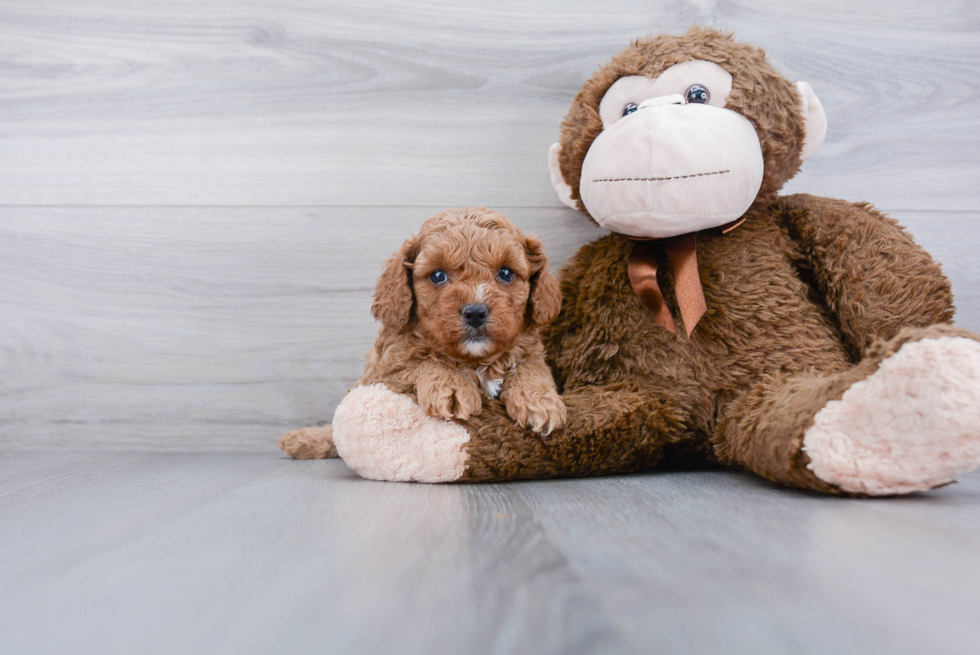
(461, 305)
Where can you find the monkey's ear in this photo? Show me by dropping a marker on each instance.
(561, 187)
(815, 120)
(545, 299)
(393, 296)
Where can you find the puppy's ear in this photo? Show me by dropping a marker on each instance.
(545, 299)
(393, 296)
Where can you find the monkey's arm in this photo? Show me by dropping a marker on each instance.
(875, 278)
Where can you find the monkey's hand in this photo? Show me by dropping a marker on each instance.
(534, 404)
(448, 395)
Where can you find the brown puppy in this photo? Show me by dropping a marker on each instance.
(461, 306)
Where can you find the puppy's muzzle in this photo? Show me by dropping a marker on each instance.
(475, 315)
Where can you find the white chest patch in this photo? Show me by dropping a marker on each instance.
(492, 387)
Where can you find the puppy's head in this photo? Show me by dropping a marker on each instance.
(469, 284)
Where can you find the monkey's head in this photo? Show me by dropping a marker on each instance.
(683, 133)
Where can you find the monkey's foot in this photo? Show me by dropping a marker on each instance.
(384, 435)
(912, 425)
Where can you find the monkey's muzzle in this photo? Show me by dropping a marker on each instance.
(670, 169)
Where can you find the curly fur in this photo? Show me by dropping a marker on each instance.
(425, 348)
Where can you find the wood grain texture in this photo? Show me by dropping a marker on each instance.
(166, 553)
(438, 104)
(195, 196)
(217, 329)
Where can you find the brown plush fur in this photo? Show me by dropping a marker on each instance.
(425, 347)
(807, 297)
(770, 337)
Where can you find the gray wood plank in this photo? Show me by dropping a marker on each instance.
(400, 103)
(304, 558)
(723, 562)
(94, 502)
(217, 329)
(219, 553)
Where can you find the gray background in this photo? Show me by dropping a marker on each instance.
(195, 199)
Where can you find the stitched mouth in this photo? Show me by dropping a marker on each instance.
(659, 179)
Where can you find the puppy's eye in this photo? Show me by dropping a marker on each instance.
(505, 275)
(438, 277)
(698, 94)
(630, 108)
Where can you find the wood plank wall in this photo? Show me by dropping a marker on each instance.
(195, 197)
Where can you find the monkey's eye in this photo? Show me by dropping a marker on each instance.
(505, 275)
(630, 108)
(438, 277)
(698, 94)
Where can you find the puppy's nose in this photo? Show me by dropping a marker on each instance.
(475, 315)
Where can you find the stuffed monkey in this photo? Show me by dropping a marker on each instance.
(805, 339)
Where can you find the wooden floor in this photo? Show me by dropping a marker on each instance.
(253, 553)
(195, 200)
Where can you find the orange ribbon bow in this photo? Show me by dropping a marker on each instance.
(682, 254)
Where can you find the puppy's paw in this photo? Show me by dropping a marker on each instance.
(449, 399)
(537, 407)
(309, 443)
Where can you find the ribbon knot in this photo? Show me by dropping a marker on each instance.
(682, 253)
